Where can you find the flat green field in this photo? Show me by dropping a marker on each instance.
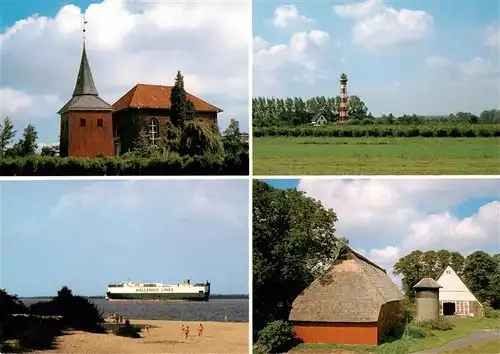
(375, 156)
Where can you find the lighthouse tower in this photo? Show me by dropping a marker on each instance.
(343, 98)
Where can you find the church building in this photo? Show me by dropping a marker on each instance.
(91, 127)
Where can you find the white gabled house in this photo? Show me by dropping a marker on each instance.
(455, 297)
(319, 120)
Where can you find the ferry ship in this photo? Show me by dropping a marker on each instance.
(159, 291)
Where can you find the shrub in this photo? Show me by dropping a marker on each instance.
(43, 308)
(6, 348)
(39, 334)
(415, 332)
(127, 330)
(409, 310)
(490, 312)
(394, 332)
(438, 324)
(353, 128)
(10, 304)
(77, 312)
(276, 337)
(81, 313)
(208, 164)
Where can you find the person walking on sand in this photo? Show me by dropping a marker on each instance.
(186, 332)
(200, 330)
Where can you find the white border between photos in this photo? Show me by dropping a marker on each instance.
(386, 177)
(250, 178)
(120, 178)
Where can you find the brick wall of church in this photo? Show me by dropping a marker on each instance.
(127, 122)
(90, 134)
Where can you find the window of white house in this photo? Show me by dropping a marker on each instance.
(153, 130)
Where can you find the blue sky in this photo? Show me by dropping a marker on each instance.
(386, 219)
(427, 57)
(88, 234)
(127, 43)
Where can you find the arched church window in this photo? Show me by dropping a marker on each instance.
(153, 130)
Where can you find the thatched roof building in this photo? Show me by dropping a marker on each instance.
(352, 303)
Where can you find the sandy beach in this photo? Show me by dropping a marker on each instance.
(163, 337)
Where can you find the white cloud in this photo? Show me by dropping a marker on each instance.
(385, 254)
(18, 104)
(303, 55)
(476, 69)
(443, 84)
(377, 25)
(215, 200)
(360, 9)
(386, 219)
(441, 230)
(492, 37)
(300, 50)
(259, 44)
(289, 16)
(129, 43)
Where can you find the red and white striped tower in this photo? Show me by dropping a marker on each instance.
(343, 98)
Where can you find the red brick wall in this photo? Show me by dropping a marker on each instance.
(90, 140)
(342, 333)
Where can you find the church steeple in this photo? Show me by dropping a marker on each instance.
(85, 96)
(84, 82)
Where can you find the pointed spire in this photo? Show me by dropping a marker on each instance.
(85, 96)
(84, 83)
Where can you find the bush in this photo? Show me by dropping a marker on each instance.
(394, 332)
(14, 325)
(127, 330)
(438, 324)
(409, 310)
(43, 308)
(354, 129)
(276, 337)
(10, 304)
(82, 314)
(40, 334)
(77, 312)
(7, 348)
(208, 164)
(490, 312)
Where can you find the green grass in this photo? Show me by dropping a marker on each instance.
(485, 348)
(377, 156)
(409, 343)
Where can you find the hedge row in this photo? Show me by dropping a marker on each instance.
(350, 131)
(115, 166)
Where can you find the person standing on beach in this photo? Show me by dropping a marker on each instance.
(186, 332)
(200, 330)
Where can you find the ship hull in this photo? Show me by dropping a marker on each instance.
(157, 296)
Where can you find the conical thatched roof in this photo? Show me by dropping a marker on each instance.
(351, 290)
(427, 283)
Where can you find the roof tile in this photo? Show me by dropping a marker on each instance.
(157, 96)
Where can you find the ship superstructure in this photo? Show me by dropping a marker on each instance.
(159, 291)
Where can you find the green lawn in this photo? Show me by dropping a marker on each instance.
(375, 156)
(486, 348)
(409, 344)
